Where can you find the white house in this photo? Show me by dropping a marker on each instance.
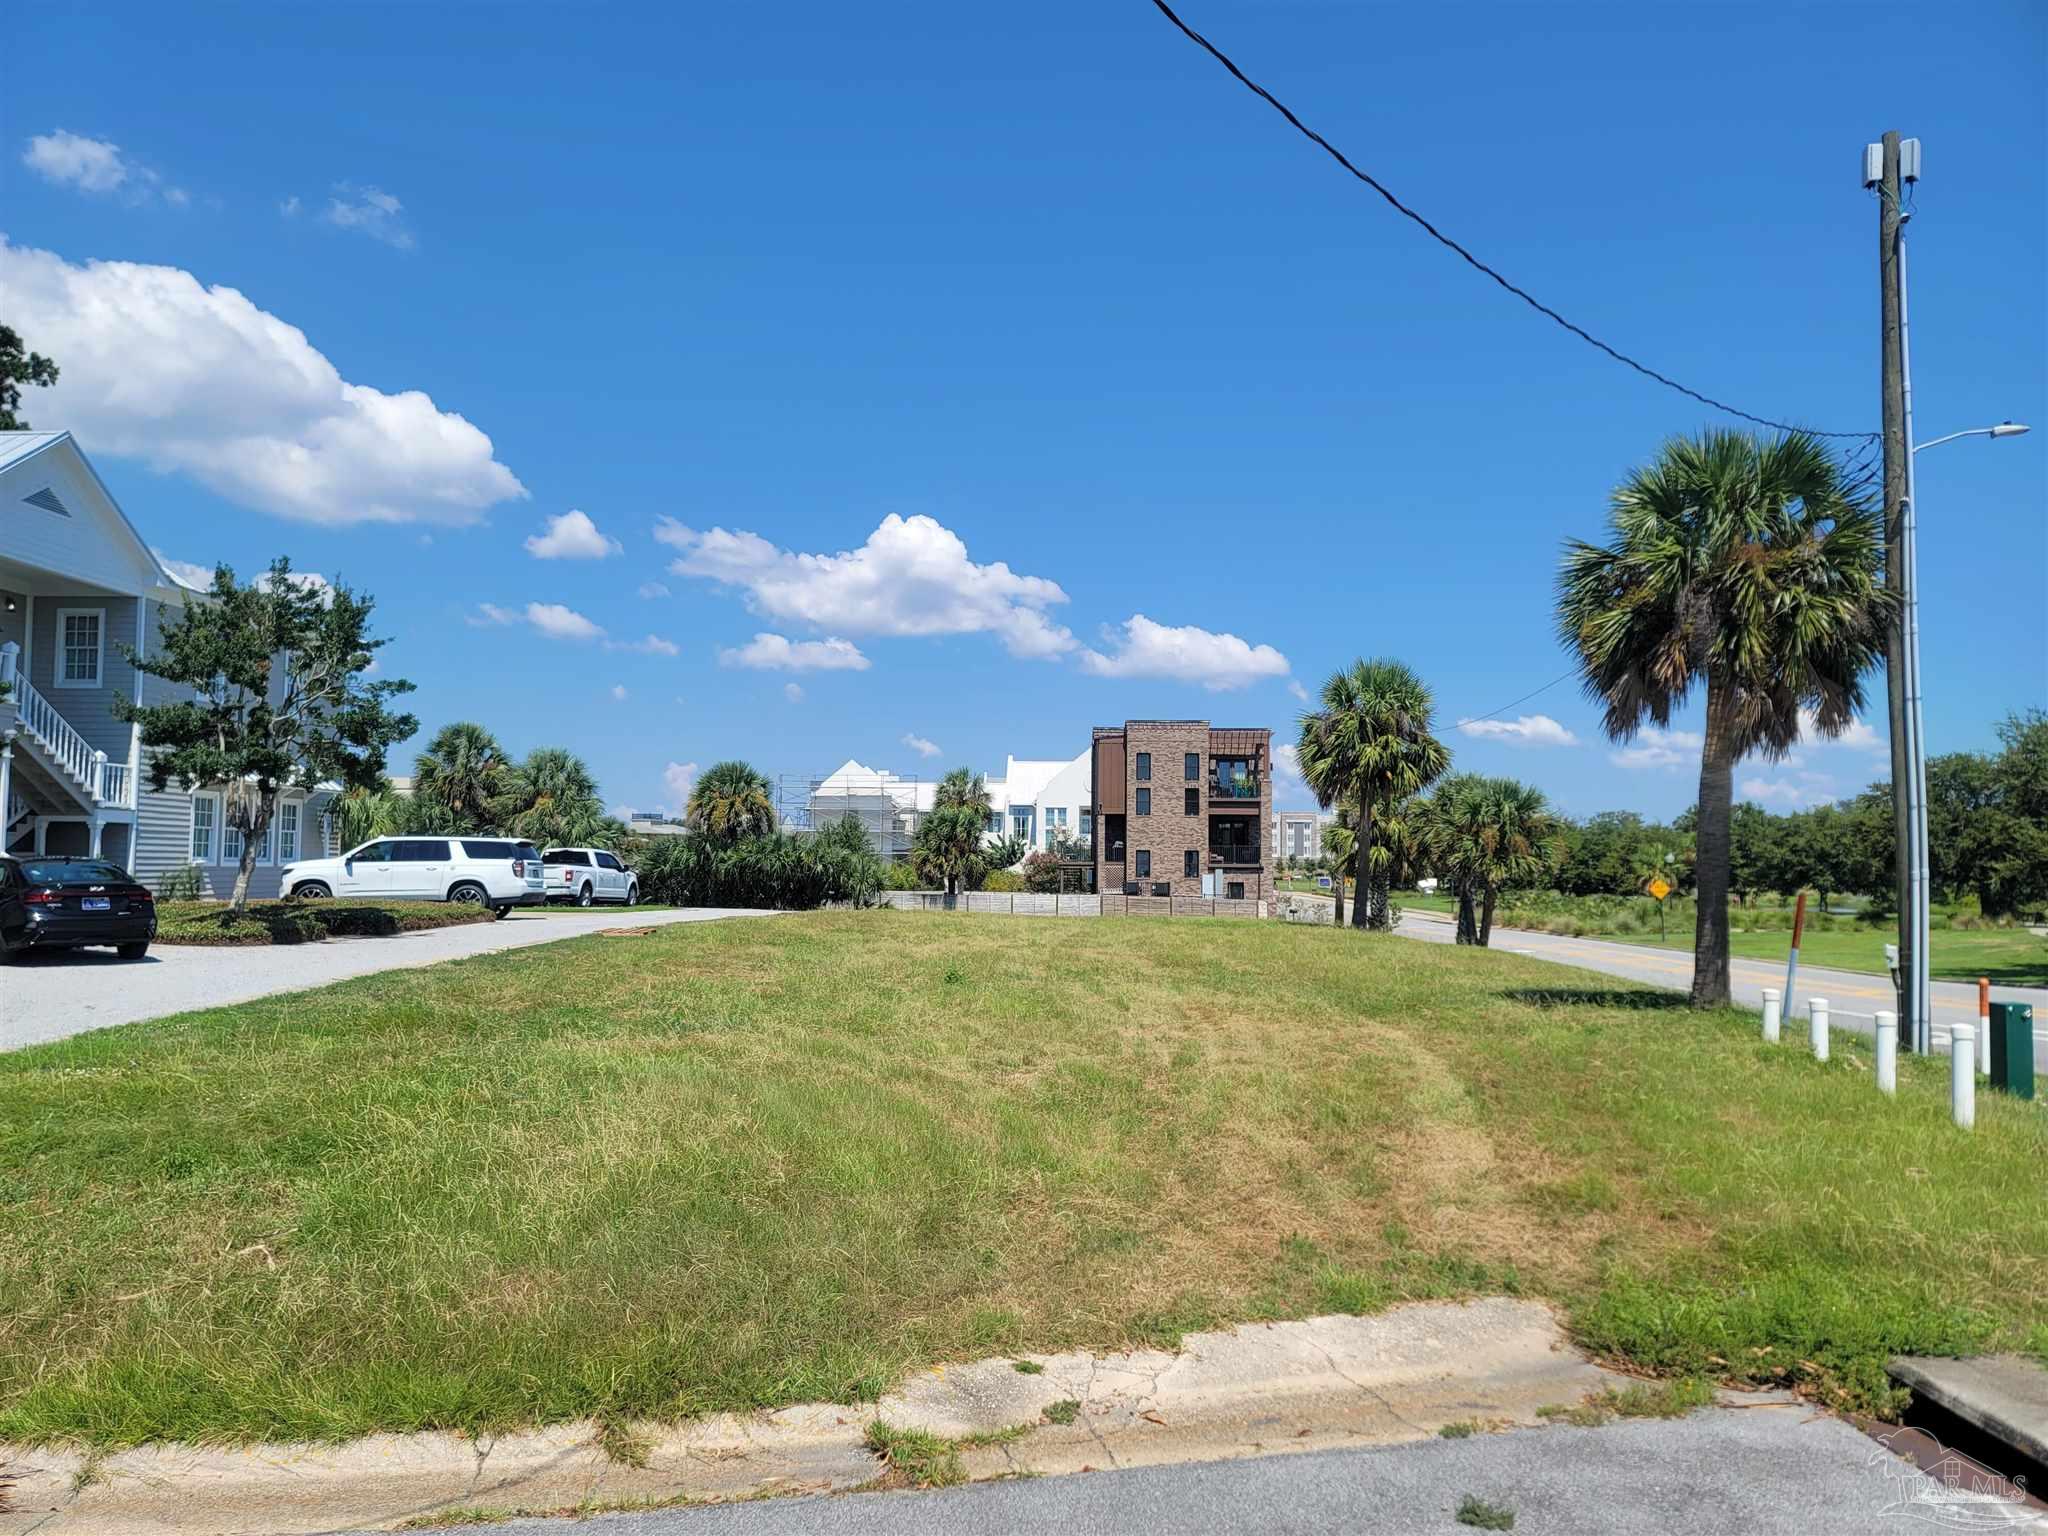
(77, 585)
(1033, 799)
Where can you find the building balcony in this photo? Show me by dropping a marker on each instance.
(1242, 787)
(1237, 856)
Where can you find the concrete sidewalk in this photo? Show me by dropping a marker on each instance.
(47, 997)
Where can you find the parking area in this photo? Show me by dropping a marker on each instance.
(47, 997)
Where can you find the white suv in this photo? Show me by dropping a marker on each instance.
(589, 875)
(493, 872)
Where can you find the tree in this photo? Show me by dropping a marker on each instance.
(463, 778)
(1486, 835)
(552, 799)
(729, 803)
(948, 847)
(1748, 566)
(366, 811)
(279, 698)
(1340, 853)
(19, 367)
(1368, 747)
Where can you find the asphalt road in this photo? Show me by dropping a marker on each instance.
(47, 997)
(1853, 998)
(1760, 1471)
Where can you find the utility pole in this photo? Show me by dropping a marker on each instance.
(1896, 450)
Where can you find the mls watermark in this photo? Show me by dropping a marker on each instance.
(1954, 1494)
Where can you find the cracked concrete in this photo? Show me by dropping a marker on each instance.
(1246, 1391)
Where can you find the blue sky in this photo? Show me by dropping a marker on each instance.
(1051, 289)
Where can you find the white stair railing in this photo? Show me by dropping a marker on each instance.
(53, 733)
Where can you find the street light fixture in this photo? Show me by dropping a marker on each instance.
(1917, 988)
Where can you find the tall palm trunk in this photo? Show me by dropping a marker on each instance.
(1361, 859)
(1717, 776)
(1486, 918)
(1337, 890)
(1468, 922)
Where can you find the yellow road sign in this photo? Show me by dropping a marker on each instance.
(1659, 887)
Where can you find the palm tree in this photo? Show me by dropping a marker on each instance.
(1368, 747)
(962, 788)
(1747, 565)
(730, 802)
(361, 814)
(464, 775)
(1340, 850)
(1485, 835)
(553, 799)
(949, 846)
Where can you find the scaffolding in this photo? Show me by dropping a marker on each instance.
(888, 805)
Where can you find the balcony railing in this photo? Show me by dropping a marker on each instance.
(1237, 856)
(1243, 787)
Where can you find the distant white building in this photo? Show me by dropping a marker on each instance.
(1299, 834)
(1033, 800)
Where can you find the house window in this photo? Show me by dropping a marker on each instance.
(1055, 823)
(287, 832)
(1191, 767)
(1144, 802)
(269, 843)
(1191, 801)
(1191, 864)
(1234, 890)
(230, 845)
(81, 633)
(1020, 825)
(1144, 765)
(1088, 826)
(205, 820)
(1144, 867)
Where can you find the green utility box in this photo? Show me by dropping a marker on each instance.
(2012, 1048)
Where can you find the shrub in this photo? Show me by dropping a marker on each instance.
(1002, 880)
(777, 869)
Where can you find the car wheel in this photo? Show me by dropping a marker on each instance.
(585, 898)
(311, 890)
(632, 895)
(470, 894)
(131, 951)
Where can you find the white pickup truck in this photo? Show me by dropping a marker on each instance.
(587, 876)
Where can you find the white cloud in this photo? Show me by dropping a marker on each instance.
(1294, 687)
(1187, 654)
(654, 589)
(650, 645)
(561, 623)
(199, 380)
(289, 207)
(67, 159)
(489, 615)
(766, 652)
(370, 211)
(1857, 735)
(619, 692)
(70, 159)
(911, 577)
(1800, 790)
(793, 693)
(923, 746)
(1657, 748)
(187, 573)
(309, 581)
(1523, 731)
(680, 778)
(572, 536)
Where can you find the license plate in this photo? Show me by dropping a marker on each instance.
(95, 904)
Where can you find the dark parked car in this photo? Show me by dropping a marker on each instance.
(61, 903)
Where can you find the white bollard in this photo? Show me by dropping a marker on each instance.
(1984, 1045)
(1817, 1029)
(1772, 1017)
(1888, 1053)
(1962, 1074)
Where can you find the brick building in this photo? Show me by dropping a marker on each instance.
(1180, 813)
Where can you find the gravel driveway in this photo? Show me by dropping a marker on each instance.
(46, 997)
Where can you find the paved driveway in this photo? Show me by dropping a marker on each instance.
(1853, 997)
(46, 997)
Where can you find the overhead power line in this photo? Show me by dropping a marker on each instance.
(1525, 698)
(1448, 243)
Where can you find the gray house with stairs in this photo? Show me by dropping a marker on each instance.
(78, 586)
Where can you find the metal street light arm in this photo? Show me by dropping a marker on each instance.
(2003, 429)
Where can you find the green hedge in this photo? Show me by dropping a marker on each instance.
(304, 922)
(782, 870)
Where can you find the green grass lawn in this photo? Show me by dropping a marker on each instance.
(2010, 957)
(738, 1164)
(303, 922)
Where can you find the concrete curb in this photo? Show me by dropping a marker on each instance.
(1247, 1391)
(2006, 1396)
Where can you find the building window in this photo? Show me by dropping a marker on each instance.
(1234, 890)
(81, 633)
(269, 843)
(1088, 826)
(1144, 866)
(1144, 802)
(1144, 765)
(1191, 864)
(287, 832)
(1191, 767)
(1191, 801)
(205, 819)
(1020, 825)
(231, 845)
(1055, 823)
